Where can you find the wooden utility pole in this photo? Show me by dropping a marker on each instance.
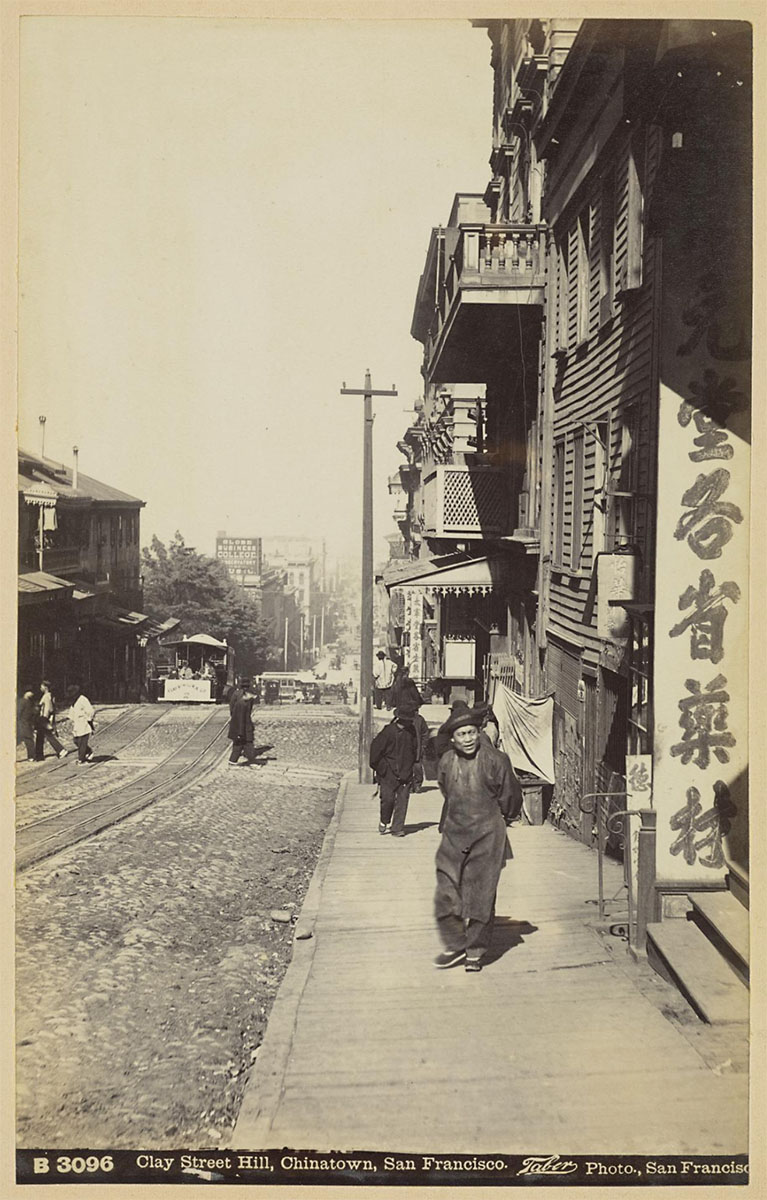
(366, 612)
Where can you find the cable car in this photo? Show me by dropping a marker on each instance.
(196, 670)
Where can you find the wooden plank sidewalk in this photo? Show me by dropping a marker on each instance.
(551, 1048)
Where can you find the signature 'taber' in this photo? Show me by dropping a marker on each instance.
(547, 1164)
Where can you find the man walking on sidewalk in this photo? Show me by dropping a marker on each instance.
(394, 753)
(479, 787)
(383, 680)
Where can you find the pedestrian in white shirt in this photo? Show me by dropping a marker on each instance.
(384, 671)
(82, 714)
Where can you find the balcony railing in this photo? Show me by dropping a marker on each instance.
(505, 257)
(461, 501)
(58, 558)
(61, 558)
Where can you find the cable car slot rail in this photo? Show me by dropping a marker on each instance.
(52, 834)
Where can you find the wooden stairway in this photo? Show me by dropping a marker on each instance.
(706, 955)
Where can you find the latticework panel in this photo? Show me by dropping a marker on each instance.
(473, 502)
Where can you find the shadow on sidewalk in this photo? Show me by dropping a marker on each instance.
(418, 826)
(507, 935)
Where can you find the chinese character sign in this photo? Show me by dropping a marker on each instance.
(701, 618)
(638, 796)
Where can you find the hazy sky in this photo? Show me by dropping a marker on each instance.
(220, 222)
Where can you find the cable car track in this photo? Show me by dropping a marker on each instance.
(54, 833)
(133, 723)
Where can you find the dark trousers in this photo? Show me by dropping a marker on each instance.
(43, 735)
(382, 696)
(394, 801)
(472, 936)
(246, 748)
(29, 743)
(83, 749)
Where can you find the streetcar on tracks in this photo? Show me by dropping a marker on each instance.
(278, 687)
(192, 670)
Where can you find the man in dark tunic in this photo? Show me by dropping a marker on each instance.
(479, 786)
(394, 753)
(404, 690)
(241, 726)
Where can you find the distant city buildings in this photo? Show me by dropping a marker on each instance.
(287, 577)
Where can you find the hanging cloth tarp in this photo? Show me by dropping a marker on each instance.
(526, 727)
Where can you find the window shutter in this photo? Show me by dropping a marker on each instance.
(621, 219)
(594, 263)
(629, 220)
(572, 287)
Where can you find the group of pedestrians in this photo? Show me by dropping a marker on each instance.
(481, 797)
(36, 723)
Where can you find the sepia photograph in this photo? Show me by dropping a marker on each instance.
(380, 667)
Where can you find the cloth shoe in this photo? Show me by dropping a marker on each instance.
(473, 964)
(449, 958)
(382, 828)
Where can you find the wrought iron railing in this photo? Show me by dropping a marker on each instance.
(638, 869)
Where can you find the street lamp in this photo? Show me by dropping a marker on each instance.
(366, 612)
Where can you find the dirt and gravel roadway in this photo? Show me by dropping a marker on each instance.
(149, 956)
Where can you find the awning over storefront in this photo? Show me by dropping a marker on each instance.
(132, 618)
(39, 585)
(155, 628)
(475, 576)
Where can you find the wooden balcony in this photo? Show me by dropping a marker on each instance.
(57, 560)
(61, 558)
(465, 502)
(489, 297)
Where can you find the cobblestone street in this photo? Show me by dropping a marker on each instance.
(149, 955)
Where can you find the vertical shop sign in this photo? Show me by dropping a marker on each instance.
(701, 620)
(638, 796)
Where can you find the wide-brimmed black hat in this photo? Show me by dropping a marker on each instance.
(406, 710)
(461, 716)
